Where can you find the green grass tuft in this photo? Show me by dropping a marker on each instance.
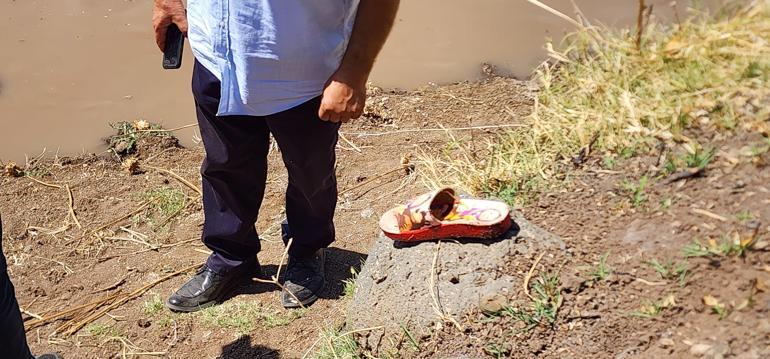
(638, 197)
(544, 307)
(102, 330)
(602, 270)
(336, 345)
(349, 288)
(238, 316)
(165, 200)
(648, 310)
(153, 305)
(669, 270)
(244, 317)
(744, 215)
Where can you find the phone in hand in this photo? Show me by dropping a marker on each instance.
(172, 54)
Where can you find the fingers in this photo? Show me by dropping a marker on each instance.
(335, 115)
(164, 14)
(324, 113)
(357, 111)
(161, 24)
(181, 22)
(341, 103)
(160, 37)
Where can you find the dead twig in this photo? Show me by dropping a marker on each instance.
(71, 205)
(178, 178)
(531, 272)
(43, 183)
(84, 307)
(434, 294)
(274, 279)
(688, 173)
(640, 25)
(353, 145)
(163, 246)
(48, 231)
(176, 213)
(73, 327)
(557, 13)
(709, 214)
(421, 130)
(370, 180)
(119, 219)
(652, 284)
(171, 130)
(130, 349)
(112, 286)
(64, 265)
(33, 315)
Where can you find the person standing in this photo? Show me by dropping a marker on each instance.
(13, 340)
(296, 69)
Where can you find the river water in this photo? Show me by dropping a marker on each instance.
(70, 67)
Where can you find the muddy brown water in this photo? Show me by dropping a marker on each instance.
(70, 67)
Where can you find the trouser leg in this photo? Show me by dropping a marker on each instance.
(233, 175)
(13, 341)
(307, 145)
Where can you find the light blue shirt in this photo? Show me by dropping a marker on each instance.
(269, 55)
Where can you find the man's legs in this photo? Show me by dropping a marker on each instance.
(307, 145)
(13, 341)
(234, 174)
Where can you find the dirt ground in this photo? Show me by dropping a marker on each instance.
(615, 304)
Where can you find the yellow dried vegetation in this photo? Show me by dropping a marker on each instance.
(607, 94)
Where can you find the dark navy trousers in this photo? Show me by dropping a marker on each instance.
(13, 342)
(235, 170)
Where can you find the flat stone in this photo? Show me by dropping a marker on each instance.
(700, 349)
(492, 303)
(666, 342)
(399, 286)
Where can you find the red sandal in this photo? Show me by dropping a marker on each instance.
(441, 214)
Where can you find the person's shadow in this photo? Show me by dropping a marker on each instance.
(340, 266)
(241, 348)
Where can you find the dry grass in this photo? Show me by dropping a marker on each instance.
(603, 94)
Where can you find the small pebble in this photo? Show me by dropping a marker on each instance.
(699, 350)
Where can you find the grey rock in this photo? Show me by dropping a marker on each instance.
(393, 288)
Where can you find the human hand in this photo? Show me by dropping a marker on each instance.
(343, 99)
(165, 13)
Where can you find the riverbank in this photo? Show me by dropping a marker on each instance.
(666, 247)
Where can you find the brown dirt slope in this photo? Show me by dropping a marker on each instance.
(124, 243)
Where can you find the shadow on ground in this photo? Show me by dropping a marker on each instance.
(340, 266)
(242, 348)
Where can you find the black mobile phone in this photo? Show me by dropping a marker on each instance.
(172, 54)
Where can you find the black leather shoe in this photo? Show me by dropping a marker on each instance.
(305, 279)
(207, 287)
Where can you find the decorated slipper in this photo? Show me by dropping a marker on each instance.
(442, 214)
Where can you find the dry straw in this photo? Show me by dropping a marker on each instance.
(603, 89)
